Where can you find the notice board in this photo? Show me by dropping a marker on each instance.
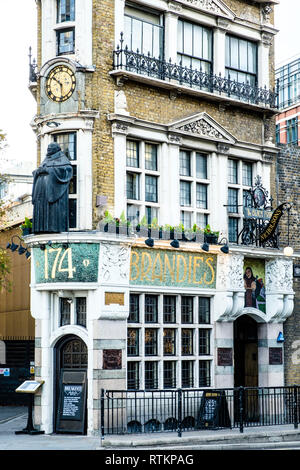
(71, 410)
(213, 412)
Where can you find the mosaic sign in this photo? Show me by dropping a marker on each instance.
(169, 268)
(254, 283)
(75, 262)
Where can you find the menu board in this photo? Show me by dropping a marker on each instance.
(71, 409)
(213, 411)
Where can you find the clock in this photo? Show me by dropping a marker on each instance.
(60, 83)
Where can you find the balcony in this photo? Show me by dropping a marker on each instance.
(179, 79)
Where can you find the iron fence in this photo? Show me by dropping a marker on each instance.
(158, 68)
(125, 412)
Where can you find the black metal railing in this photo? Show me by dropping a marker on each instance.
(158, 68)
(126, 412)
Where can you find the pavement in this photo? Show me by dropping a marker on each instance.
(15, 419)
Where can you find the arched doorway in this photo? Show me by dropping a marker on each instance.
(246, 363)
(245, 352)
(71, 362)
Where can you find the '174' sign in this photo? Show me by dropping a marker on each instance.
(76, 262)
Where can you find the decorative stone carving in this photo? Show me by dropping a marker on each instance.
(120, 128)
(121, 103)
(203, 128)
(279, 276)
(266, 10)
(174, 139)
(223, 148)
(267, 39)
(230, 272)
(174, 7)
(209, 5)
(115, 263)
(268, 131)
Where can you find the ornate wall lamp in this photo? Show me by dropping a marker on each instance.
(21, 249)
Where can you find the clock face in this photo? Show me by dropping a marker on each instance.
(60, 83)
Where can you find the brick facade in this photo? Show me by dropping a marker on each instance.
(288, 165)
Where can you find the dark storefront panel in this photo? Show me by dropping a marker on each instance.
(19, 354)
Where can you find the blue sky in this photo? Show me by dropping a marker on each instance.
(18, 32)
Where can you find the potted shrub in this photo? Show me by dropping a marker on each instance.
(189, 234)
(154, 229)
(106, 222)
(179, 232)
(142, 227)
(122, 224)
(210, 236)
(26, 227)
(167, 232)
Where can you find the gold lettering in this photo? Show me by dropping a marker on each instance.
(46, 263)
(135, 264)
(53, 272)
(208, 260)
(170, 268)
(197, 265)
(181, 257)
(143, 272)
(69, 268)
(157, 276)
(190, 268)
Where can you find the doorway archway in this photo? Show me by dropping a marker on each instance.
(245, 352)
(246, 364)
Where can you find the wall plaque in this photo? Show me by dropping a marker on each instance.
(169, 268)
(275, 356)
(114, 298)
(224, 356)
(112, 359)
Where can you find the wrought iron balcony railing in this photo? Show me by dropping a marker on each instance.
(158, 68)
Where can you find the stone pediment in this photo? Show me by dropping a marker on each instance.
(216, 7)
(203, 126)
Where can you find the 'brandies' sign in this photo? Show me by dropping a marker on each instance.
(169, 268)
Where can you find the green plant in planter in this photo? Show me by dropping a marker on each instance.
(108, 218)
(210, 235)
(123, 220)
(26, 227)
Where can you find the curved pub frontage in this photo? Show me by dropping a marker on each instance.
(113, 313)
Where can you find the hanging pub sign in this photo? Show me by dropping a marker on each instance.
(269, 230)
(260, 222)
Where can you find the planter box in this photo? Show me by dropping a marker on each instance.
(26, 231)
(212, 239)
(142, 231)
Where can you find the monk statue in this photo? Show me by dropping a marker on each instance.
(50, 192)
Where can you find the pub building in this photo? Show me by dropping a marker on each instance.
(123, 299)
